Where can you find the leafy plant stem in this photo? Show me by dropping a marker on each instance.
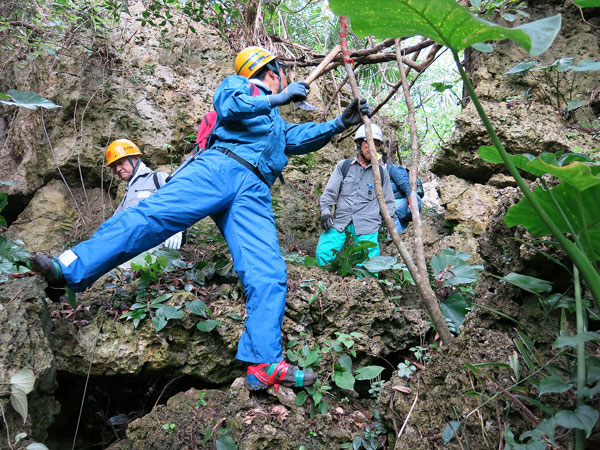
(425, 291)
(579, 434)
(590, 275)
(6, 425)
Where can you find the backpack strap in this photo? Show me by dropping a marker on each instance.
(346, 167)
(155, 179)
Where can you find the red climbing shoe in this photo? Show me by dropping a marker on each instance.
(261, 376)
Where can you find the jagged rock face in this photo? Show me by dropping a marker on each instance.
(25, 325)
(117, 348)
(527, 110)
(522, 128)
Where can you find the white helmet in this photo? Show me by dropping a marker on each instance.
(361, 133)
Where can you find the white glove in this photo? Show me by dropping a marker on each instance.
(174, 241)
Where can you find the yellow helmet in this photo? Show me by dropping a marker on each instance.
(250, 60)
(120, 149)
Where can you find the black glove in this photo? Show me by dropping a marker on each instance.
(295, 92)
(351, 116)
(326, 221)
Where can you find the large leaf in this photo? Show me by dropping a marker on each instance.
(583, 418)
(582, 209)
(454, 309)
(527, 283)
(492, 155)
(572, 341)
(444, 21)
(379, 263)
(553, 385)
(24, 379)
(226, 443)
(545, 428)
(453, 270)
(29, 100)
(587, 3)
(344, 380)
(18, 400)
(368, 372)
(578, 175)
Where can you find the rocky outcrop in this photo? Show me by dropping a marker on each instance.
(25, 324)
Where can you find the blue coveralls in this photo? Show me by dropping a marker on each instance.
(237, 200)
(401, 188)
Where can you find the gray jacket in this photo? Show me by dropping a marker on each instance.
(142, 185)
(354, 198)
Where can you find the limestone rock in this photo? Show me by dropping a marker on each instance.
(25, 325)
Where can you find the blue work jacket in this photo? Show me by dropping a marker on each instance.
(253, 130)
(400, 181)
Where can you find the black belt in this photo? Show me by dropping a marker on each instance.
(243, 162)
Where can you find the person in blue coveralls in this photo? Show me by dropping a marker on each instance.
(401, 187)
(230, 181)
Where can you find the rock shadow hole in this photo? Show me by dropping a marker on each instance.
(111, 402)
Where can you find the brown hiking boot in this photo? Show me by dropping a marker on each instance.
(50, 269)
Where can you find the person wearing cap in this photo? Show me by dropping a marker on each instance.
(124, 158)
(247, 150)
(350, 190)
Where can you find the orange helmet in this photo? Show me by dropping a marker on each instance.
(251, 59)
(120, 149)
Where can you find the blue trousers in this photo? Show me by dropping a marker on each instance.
(403, 214)
(332, 239)
(240, 204)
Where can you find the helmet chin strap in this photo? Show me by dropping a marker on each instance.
(278, 74)
(135, 167)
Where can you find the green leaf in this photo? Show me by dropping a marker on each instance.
(572, 341)
(344, 380)
(587, 3)
(28, 100)
(170, 312)
(36, 446)
(553, 385)
(380, 263)
(226, 443)
(525, 66)
(207, 325)
(527, 283)
(18, 400)
(368, 372)
(490, 154)
(444, 21)
(450, 430)
(511, 444)
(345, 362)
(586, 65)
(454, 309)
(578, 175)
(483, 47)
(584, 218)
(300, 398)
(159, 323)
(4, 96)
(197, 307)
(71, 297)
(583, 418)
(574, 104)
(545, 428)
(453, 270)
(24, 380)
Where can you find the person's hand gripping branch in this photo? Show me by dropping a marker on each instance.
(353, 112)
(295, 92)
